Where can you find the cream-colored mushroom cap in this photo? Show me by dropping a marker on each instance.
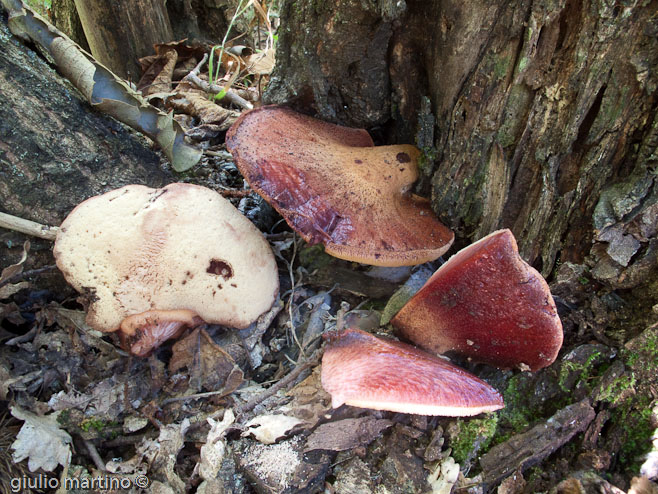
(182, 247)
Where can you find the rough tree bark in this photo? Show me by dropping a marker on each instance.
(64, 17)
(539, 116)
(119, 33)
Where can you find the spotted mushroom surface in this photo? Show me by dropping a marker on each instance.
(486, 303)
(333, 186)
(362, 370)
(182, 248)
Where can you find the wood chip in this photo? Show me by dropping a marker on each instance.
(346, 434)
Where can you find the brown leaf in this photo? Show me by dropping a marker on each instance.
(158, 76)
(11, 271)
(207, 363)
(8, 290)
(261, 63)
(310, 402)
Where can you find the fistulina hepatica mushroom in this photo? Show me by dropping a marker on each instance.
(154, 261)
(485, 303)
(488, 304)
(362, 370)
(333, 186)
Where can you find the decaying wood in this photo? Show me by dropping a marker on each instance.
(529, 448)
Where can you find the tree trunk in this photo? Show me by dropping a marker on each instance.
(64, 17)
(119, 33)
(539, 116)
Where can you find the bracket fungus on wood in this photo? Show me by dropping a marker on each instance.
(486, 303)
(333, 186)
(362, 370)
(153, 261)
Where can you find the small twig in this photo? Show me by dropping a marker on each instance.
(197, 69)
(126, 440)
(93, 452)
(218, 154)
(272, 390)
(278, 236)
(26, 274)
(195, 396)
(28, 227)
(291, 317)
(24, 337)
(30, 335)
(230, 96)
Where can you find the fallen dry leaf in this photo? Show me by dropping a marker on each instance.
(157, 78)
(261, 63)
(106, 399)
(168, 445)
(208, 364)
(444, 477)
(212, 453)
(195, 102)
(268, 428)
(12, 313)
(41, 441)
(10, 271)
(310, 402)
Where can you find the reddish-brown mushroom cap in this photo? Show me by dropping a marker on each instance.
(364, 371)
(334, 187)
(486, 303)
(154, 261)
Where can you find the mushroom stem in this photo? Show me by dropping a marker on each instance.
(141, 333)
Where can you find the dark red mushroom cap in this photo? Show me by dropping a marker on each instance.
(334, 187)
(486, 303)
(364, 371)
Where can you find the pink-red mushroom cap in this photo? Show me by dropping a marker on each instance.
(362, 370)
(154, 261)
(486, 303)
(332, 186)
